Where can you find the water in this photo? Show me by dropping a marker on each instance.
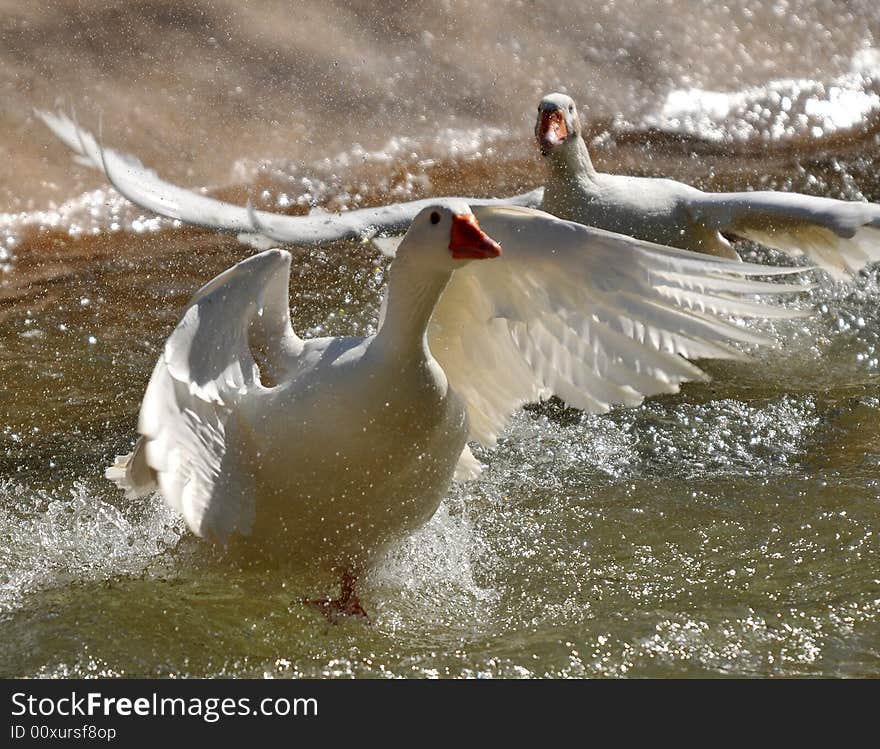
(729, 530)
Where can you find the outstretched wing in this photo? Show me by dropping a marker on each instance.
(193, 442)
(145, 188)
(841, 236)
(596, 318)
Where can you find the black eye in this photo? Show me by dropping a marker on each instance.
(435, 218)
(571, 107)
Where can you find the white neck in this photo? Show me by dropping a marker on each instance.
(412, 295)
(571, 161)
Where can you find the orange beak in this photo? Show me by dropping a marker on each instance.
(467, 241)
(551, 130)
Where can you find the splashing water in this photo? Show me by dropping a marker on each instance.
(728, 530)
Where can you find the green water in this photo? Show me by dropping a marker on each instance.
(730, 530)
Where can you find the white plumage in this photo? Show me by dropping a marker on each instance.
(595, 318)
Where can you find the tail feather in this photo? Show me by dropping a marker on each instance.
(132, 473)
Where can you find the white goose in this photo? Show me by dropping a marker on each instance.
(840, 236)
(324, 451)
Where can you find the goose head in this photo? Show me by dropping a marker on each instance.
(441, 239)
(446, 236)
(558, 126)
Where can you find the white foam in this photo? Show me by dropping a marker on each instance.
(440, 555)
(52, 540)
(778, 110)
(329, 177)
(89, 214)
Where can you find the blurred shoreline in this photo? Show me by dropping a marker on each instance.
(194, 90)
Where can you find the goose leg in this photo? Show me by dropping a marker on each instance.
(348, 603)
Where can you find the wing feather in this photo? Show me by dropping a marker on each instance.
(841, 236)
(144, 188)
(595, 318)
(193, 440)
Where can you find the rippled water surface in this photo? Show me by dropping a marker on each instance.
(729, 530)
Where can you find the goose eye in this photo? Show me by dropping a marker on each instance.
(571, 107)
(435, 217)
